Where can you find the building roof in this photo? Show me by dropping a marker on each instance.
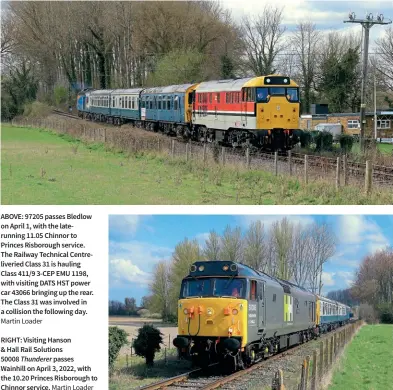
(345, 114)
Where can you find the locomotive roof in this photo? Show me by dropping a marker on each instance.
(222, 85)
(168, 89)
(238, 84)
(230, 269)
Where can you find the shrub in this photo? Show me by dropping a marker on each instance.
(305, 139)
(143, 313)
(346, 142)
(36, 110)
(117, 338)
(324, 141)
(148, 343)
(61, 95)
(385, 311)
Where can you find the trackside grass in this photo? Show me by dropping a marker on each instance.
(367, 362)
(41, 167)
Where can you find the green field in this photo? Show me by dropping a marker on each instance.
(40, 167)
(367, 362)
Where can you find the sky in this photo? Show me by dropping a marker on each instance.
(137, 243)
(327, 15)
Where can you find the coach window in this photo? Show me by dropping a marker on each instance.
(253, 290)
(175, 103)
(218, 97)
(129, 101)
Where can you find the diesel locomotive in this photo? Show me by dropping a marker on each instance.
(229, 312)
(260, 111)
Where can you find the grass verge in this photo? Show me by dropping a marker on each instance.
(41, 167)
(367, 362)
(132, 372)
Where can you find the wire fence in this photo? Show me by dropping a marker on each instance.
(316, 367)
(338, 171)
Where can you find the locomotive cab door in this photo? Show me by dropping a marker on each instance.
(261, 306)
(243, 108)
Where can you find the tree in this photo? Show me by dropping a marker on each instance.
(301, 254)
(323, 246)
(255, 247)
(161, 289)
(148, 343)
(212, 247)
(262, 37)
(231, 244)
(282, 234)
(178, 67)
(339, 80)
(385, 61)
(130, 306)
(305, 42)
(146, 301)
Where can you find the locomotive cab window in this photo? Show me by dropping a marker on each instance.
(213, 287)
(278, 91)
(293, 94)
(262, 94)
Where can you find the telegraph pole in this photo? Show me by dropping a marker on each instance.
(366, 24)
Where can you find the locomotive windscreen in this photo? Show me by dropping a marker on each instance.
(277, 80)
(213, 287)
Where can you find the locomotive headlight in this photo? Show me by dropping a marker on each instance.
(185, 311)
(209, 311)
(201, 268)
(268, 80)
(225, 268)
(234, 312)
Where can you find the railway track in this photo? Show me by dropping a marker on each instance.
(384, 173)
(62, 113)
(201, 380)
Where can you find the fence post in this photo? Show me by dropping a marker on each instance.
(173, 148)
(187, 146)
(345, 170)
(307, 372)
(248, 157)
(204, 153)
(223, 155)
(290, 162)
(165, 356)
(278, 381)
(303, 376)
(331, 352)
(158, 145)
(321, 352)
(305, 169)
(276, 163)
(314, 371)
(338, 173)
(368, 176)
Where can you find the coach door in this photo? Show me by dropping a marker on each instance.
(243, 108)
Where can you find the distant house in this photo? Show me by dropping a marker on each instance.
(351, 122)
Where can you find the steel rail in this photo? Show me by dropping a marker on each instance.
(170, 381)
